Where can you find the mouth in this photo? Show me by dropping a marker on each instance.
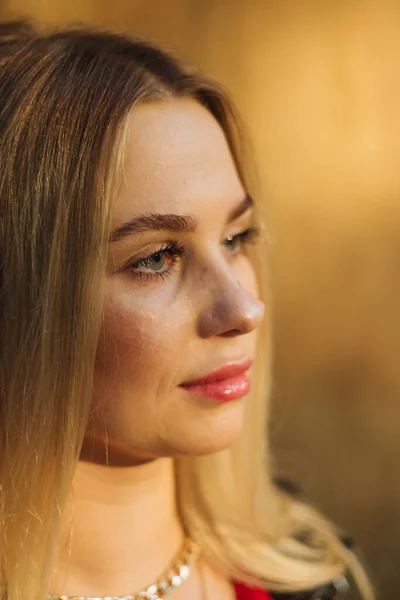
(229, 382)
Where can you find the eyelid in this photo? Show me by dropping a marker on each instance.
(172, 248)
(147, 252)
(243, 222)
(247, 235)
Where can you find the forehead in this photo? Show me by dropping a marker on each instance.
(176, 159)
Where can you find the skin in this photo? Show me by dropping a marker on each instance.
(157, 333)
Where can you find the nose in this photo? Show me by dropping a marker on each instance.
(231, 310)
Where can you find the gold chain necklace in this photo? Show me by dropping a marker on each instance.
(170, 580)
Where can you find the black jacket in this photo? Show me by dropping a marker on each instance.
(337, 590)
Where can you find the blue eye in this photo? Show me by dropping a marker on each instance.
(155, 262)
(162, 263)
(158, 264)
(234, 243)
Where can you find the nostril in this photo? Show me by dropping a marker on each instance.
(231, 333)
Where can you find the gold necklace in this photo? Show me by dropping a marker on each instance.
(169, 580)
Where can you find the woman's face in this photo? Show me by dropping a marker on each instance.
(180, 295)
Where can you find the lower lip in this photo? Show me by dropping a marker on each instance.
(223, 390)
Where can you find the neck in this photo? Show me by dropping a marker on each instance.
(119, 531)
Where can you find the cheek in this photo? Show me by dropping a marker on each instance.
(139, 342)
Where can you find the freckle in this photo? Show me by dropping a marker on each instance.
(202, 274)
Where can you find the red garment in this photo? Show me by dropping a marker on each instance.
(247, 593)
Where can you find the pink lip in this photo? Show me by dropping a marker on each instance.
(227, 383)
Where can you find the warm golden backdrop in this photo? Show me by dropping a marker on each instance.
(318, 83)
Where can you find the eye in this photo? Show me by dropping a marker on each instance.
(234, 244)
(158, 264)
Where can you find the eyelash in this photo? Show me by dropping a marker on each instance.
(174, 250)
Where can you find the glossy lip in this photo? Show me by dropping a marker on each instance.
(228, 371)
(227, 383)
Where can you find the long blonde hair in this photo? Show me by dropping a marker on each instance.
(65, 98)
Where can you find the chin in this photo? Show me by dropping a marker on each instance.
(202, 428)
(210, 433)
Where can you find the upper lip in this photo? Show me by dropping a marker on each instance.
(230, 369)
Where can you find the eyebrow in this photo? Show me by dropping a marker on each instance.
(171, 222)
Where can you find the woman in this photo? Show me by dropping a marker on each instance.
(133, 455)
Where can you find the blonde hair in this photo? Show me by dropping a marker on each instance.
(65, 99)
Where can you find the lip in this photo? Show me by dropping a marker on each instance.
(225, 383)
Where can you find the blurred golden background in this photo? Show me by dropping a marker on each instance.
(318, 84)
